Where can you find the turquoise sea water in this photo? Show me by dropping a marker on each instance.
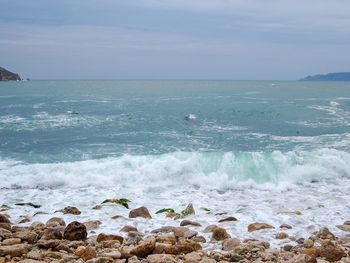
(244, 129)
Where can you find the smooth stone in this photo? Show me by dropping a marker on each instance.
(104, 237)
(93, 224)
(344, 227)
(55, 221)
(144, 248)
(128, 228)
(140, 212)
(75, 231)
(189, 223)
(228, 219)
(219, 234)
(230, 244)
(14, 250)
(259, 226)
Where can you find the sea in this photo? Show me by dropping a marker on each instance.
(276, 152)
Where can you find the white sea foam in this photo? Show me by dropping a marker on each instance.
(316, 183)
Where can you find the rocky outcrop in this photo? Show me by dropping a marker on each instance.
(7, 75)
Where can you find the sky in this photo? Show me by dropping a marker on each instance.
(174, 39)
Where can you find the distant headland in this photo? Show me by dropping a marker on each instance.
(338, 76)
(8, 75)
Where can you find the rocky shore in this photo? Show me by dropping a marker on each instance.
(59, 241)
(6, 75)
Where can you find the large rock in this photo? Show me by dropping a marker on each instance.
(144, 248)
(86, 253)
(4, 219)
(230, 244)
(8, 75)
(219, 234)
(331, 251)
(75, 231)
(344, 227)
(53, 233)
(324, 233)
(27, 236)
(14, 250)
(258, 226)
(104, 237)
(71, 210)
(182, 247)
(180, 232)
(55, 221)
(4, 233)
(140, 212)
(161, 258)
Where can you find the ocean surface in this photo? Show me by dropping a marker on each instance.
(257, 150)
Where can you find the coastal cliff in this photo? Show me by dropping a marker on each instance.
(7, 75)
(338, 76)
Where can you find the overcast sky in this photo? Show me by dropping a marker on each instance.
(174, 39)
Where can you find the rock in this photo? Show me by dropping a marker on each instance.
(324, 233)
(188, 222)
(180, 232)
(93, 224)
(53, 233)
(75, 231)
(47, 244)
(285, 226)
(209, 228)
(228, 219)
(104, 237)
(168, 238)
(128, 229)
(230, 244)
(144, 248)
(114, 253)
(31, 261)
(182, 247)
(71, 210)
(14, 250)
(258, 226)
(287, 247)
(55, 221)
(28, 236)
(6, 226)
(347, 222)
(219, 234)
(134, 237)
(308, 243)
(4, 233)
(189, 210)
(311, 251)
(11, 241)
(4, 219)
(133, 259)
(344, 227)
(331, 251)
(24, 219)
(8, 75)
(298, 213)
(86, 253)
(161, 259)
(199, 239)
(193, 257)
(140, 212)
(281, 235)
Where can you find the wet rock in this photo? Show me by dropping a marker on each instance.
(75, 231)
(86, 253)
(182, 247)
(285, 226)
(189, 210)
(258, 226)
(300, 241)
(161, 258)
(14, 250)
(4, 219)
(55, 221)
(48, 244)
(112, 253)
(180, 232)
(347, 222)
(344, 227)
(24, 219)
(144, 248)
(210, 228)
(189, 223)
(281, 235)
(331, 251)
(230, 244)
(219, 234)
(140, 212)
(287, 247)
(71, 210)
(104, 237)
(168, 238)
(134, 237)
(324, 233)
(93, 224)
(28, 236)
(199, 239)
(53, 233)
(228, 219)
(193, 257)
(308, 243)
(128, 229)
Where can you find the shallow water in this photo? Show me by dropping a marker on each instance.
(252, 149)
